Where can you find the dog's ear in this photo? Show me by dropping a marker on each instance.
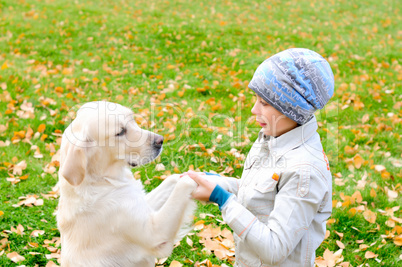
(74, 164)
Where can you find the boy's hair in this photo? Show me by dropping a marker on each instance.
(296, 82)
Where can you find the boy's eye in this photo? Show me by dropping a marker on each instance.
(122, 132)
(263, 103)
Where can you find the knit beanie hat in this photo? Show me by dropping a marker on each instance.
(296, 82)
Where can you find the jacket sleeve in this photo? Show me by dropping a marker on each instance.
(230, 184)
(300, 195)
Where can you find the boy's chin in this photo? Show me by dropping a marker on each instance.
(267, 132)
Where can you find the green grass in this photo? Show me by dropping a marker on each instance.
(132, 52)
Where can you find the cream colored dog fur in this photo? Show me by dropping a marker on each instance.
(104, 216)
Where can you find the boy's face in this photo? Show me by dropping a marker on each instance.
(272, 121)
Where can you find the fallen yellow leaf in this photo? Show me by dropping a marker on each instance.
(349, 150)
(358, 161)
(327, 234)
(357, 196)
(41, 128)
(365, 118)
(17, 170)
(36, 233)
(51, 264)
(398, 240)
(175, 264)
(392, 194)
(373, 193)
(370, 216)
(67, 71)
(181, 93)
(363, 247)
(385, 175)
(189, 242)
(4, 66)
(370, 255)
(340, 244)
(379, 168)
(15, 257)
(339, 234)
(43, 137)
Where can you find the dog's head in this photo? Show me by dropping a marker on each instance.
(105, 134)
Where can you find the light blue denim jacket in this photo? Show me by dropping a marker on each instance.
(281, 203)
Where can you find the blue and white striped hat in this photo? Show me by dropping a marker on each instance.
(296, 82)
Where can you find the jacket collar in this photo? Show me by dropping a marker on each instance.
(294, 138)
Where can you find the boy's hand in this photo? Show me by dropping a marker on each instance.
(205, 187)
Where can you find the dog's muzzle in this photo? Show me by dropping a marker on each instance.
(158, 141)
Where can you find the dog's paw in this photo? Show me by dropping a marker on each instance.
(172, 179)
(187, 182)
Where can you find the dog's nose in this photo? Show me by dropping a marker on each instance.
(158, 141)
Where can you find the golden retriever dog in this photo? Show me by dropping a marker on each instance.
(104, 215)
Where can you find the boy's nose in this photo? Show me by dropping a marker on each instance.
(254, 109)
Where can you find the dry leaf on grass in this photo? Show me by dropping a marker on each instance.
(370, 216)
(370, 255)
(175, 264)
(218, 241)
(15, 257)
(19, 230)
(340, 244)
(18, 168)
(51, 264)
(329, 259)
(36, 233)
(28, 201)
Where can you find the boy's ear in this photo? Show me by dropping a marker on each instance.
(73, 166)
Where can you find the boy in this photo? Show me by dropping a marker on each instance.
(279, 207)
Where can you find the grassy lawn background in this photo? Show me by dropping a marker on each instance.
(183, 67)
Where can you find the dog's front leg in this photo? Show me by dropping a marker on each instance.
(157, 197)
(167, 221)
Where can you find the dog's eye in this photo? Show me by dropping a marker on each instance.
(122, 132)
